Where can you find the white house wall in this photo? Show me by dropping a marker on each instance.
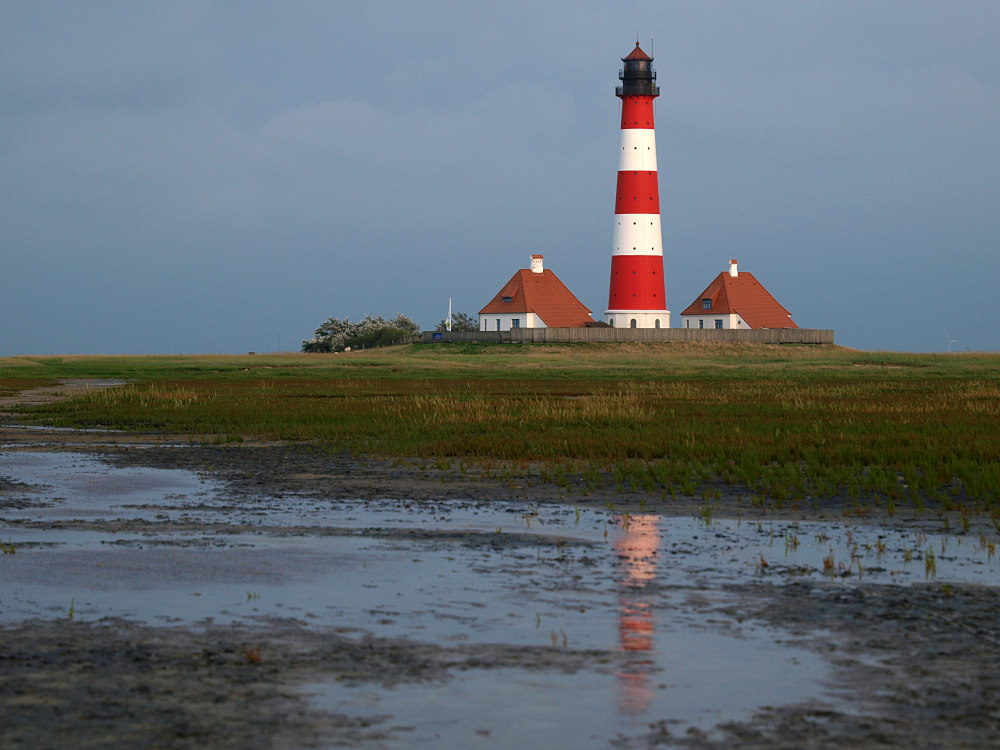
(489, 322)
(729, 320)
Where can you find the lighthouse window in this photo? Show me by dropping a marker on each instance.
(632, 324)
(706, 304)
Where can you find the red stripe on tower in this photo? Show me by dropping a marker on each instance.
(636, 297)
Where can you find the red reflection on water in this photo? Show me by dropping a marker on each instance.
(637, 551)
(635, 626)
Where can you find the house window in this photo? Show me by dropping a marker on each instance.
(687, 323)
(706, 304)
(701, 323)
(718, 323)
(508, 299)
(498, 324)
(515, 323)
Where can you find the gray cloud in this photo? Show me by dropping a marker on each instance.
(210, 176)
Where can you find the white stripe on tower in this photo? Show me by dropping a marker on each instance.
(637, 234)
(638, 151)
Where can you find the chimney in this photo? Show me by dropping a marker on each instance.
(536, 263)
(732, 268)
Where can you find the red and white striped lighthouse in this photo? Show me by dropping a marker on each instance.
(636, 297)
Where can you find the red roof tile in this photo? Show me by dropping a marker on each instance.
(542, 294)
(745, 296)
(636, 54)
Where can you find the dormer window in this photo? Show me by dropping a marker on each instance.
(508, 299)
(706, 304)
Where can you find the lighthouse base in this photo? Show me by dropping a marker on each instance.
(637, 318)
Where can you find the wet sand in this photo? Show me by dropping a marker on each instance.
(909, 665)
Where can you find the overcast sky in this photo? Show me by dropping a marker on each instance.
(200, 177)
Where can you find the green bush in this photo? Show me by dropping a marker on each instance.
(370, 332)
(460, 322)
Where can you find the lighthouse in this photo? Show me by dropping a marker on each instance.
(636, 298)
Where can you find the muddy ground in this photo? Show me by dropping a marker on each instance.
(916, 665)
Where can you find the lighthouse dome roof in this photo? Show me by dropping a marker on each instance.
(636, 54)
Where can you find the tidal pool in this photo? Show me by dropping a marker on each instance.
(88, 541)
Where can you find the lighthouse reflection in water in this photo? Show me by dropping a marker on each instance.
(637, 552)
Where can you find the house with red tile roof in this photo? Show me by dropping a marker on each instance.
(736, 299)
(534, 298)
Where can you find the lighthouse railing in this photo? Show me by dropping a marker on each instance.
(637, 76)
(653, 91)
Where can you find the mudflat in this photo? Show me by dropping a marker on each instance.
(905, 663)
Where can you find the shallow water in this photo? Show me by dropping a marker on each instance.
(169, 546)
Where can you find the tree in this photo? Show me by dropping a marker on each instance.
(460, 322)
(371, 331)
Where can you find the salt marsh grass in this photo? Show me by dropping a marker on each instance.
(789, 424)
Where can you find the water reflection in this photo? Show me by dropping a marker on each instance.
(637, 551)
(195, 556)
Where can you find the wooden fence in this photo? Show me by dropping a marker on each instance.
(633, 335)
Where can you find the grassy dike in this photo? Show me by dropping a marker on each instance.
(789, 424)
